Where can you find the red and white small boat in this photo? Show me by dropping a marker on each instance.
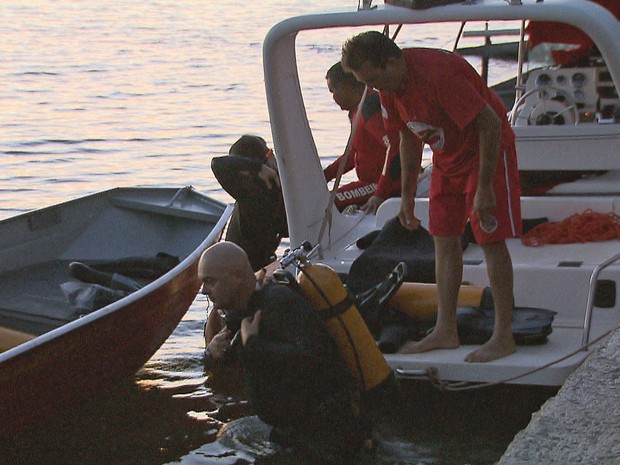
(56, 355)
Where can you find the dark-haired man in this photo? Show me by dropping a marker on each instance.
(377, 167)
(435, 97)
(249, 173)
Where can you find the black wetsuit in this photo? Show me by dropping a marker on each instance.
(299, 382)
(258, 222)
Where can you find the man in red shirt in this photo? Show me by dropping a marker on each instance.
(435, 97)
(378, 173)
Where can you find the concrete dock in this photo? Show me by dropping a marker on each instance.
(581, 424)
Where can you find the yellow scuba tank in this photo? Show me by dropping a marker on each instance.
(345, 324)
(419, 300)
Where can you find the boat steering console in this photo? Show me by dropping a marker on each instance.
(567, 96)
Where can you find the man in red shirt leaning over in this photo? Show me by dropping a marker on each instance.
(435, 97)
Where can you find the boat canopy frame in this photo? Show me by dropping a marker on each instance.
(298, 158)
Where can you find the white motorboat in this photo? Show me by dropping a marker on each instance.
(564, 118)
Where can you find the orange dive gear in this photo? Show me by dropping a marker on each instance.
(345, 324)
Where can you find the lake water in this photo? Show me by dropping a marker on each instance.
(106, 93)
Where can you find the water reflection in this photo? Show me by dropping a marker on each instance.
(179, 424)
(172, 411)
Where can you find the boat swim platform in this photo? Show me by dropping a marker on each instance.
(449, 366)
(552, 277)
(580, 423)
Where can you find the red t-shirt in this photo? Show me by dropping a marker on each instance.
(444, 94)
(368, 151)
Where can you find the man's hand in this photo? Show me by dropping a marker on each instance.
(405, 215)
(372, 205)
(269, 176)
(250, 326)
(219, 344)
(266, 273)
(484, 202)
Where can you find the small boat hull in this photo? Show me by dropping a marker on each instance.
(85, 357)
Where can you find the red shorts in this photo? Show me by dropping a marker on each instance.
(451, 202)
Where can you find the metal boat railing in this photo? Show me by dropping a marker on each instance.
(591, 294)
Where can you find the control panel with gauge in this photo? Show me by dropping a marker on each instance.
(559, 96)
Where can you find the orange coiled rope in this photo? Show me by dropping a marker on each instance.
(588, 226)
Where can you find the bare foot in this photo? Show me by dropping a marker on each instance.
(435, 340)
(493, 349)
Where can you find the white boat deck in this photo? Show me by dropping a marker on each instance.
(553, 277)
(449, 364)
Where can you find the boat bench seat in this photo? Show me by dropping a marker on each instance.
(30, 299)
(554, 208)
(597, 185)
(162, 209)
(10, 338)
(555, 277)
